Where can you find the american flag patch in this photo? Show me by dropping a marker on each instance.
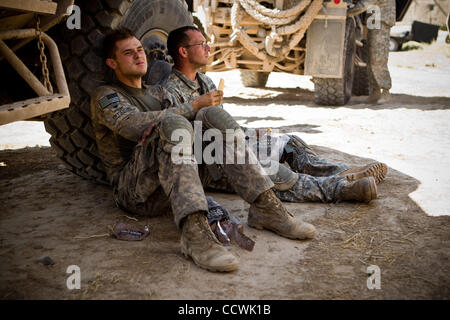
(108, 100)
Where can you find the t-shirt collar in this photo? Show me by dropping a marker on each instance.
(194, 85)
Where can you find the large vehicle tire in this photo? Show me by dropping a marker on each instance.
(71, 131)
(361, 86)
(337, 91)
(254, 79)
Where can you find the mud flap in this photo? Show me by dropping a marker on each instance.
(325, 48)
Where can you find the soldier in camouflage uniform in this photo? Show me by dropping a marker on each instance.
(315, 179)
(134, 127)
(378, 46)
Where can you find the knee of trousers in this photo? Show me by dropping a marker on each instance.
(176, 130)
(217, 118)
(282, 177)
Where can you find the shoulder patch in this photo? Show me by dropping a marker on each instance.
(108, 100)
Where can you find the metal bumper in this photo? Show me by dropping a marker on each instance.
(46, 102)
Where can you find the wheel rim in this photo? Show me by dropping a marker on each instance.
(154, 38)
(155, 33)
(155, 43)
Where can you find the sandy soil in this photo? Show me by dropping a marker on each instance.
(48, 211)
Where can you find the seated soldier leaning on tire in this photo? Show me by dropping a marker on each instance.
(314, 179)
(133, 125)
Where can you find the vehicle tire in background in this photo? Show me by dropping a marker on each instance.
(254, 79)
(361, 86)
(338, 91)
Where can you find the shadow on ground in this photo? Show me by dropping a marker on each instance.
(48, 211)
(295, 96)
(305, 128)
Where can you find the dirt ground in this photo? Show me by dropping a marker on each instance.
(48, 211)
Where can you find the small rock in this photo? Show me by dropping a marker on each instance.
(47, 261)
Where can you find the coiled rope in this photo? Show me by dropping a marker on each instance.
(288, 23)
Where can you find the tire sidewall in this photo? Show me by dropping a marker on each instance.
(254, 79)
(71, 130)
(145, 16)
(338, 91)
(349, 66)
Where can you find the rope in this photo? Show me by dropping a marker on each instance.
(293, 32)
(277, 13)
(275, 16)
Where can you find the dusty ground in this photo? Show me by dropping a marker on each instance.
(47, 211)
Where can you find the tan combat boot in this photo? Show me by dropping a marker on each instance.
(375, 95)
(268, 212)
(199, 242)
(385, 97)
(362, 190)
(377, 170)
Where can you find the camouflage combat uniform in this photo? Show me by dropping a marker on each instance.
(378, 45)
(186, 90)
(318, 180)
(143, 175)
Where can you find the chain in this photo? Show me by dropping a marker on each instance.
(43, 58)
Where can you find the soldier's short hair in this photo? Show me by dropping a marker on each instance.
(178, 38)
(109, 42)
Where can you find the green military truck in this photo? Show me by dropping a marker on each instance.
(50, 54)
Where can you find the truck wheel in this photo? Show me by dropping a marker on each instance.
(72, 135)
(337, 91)
(361, 86)
(254, 79)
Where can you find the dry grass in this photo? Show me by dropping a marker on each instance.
(374, 245)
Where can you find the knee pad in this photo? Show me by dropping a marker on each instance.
(215, 117)
(284, 178)
(176, 130)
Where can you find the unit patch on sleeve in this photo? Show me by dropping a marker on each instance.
(108, 100)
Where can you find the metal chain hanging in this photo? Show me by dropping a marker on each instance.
(43, 58)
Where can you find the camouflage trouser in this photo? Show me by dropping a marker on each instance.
(247, 180)
(302, 159)
(378, 46)
(318, 179)
(152, 184)
(313, 189)
(306, 189)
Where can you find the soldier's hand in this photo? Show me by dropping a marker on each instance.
(147, 132)
(209, 99)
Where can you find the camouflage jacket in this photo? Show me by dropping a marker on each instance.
(120, 114)
(184, 89)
